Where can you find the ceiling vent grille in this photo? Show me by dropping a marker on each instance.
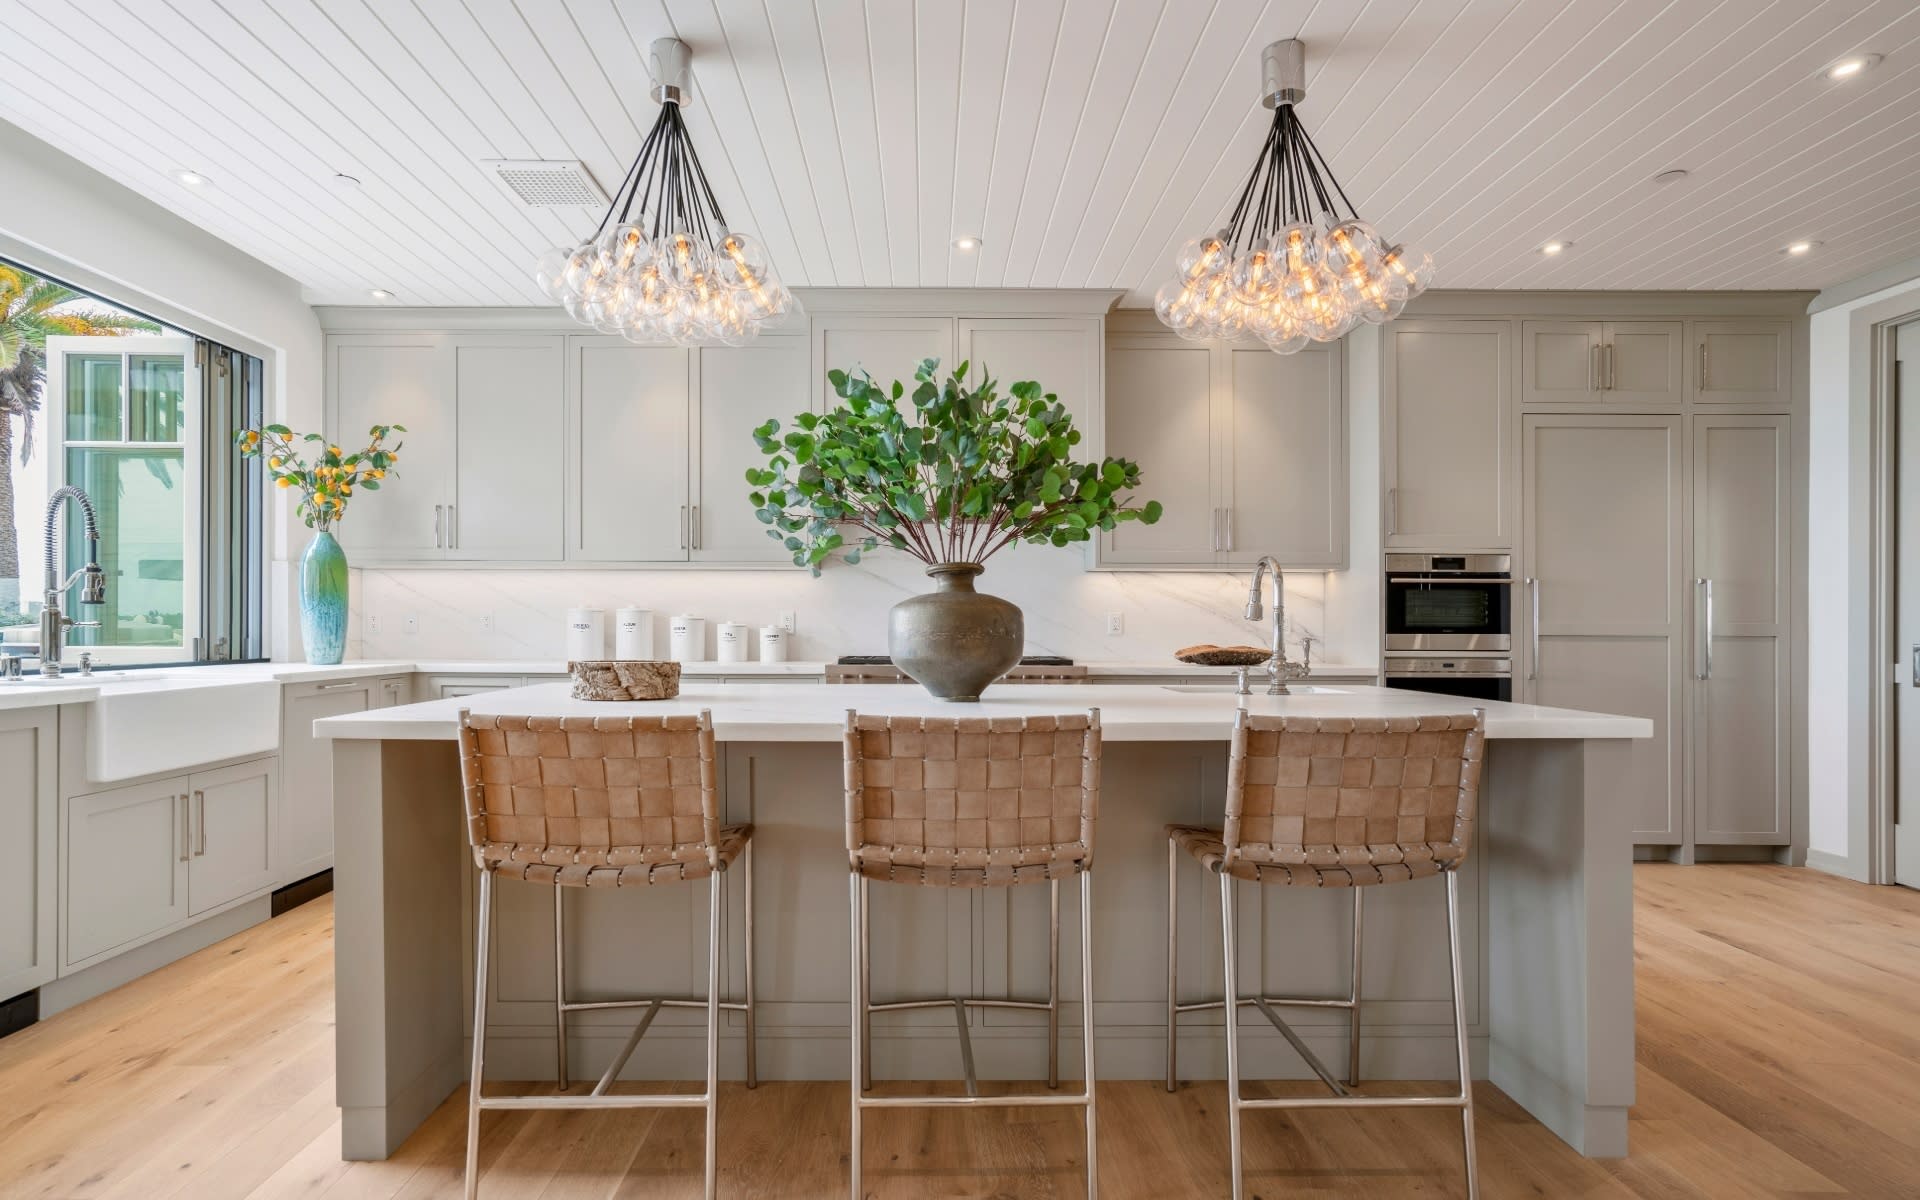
(547, 183)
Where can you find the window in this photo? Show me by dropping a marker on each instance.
(141, 418)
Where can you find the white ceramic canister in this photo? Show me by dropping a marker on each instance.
(633, 634)
(586, 634)
(687, 639)
(773, 644)
(733, 640)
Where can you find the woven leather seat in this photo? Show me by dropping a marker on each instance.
(1344, 802)
(595, 801)
(971, 801)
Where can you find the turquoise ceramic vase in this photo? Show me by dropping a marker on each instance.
(323, 600)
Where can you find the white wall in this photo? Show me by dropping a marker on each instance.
(73, 222)
(1838, 509)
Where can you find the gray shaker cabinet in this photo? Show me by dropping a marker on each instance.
(1741, 664)
(1602, 544)
(29, 842)
(1618, 364)
(1446, 430)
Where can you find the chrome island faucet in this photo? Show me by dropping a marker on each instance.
(1279, 670)
(54, 623)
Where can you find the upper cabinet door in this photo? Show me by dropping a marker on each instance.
(740, 388)
(395, 379)
(508, 502)
(1062, 355)
(888, 348)
(1743, 362)
(1561, 362)
(1643, 364)
(1286, 447)
(1447, 435)
(630, 437)
(1160, 414)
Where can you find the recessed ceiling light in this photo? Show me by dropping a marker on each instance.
(1673, 176)
(1799, 248)
(345, 181)
(381, 294)
(966, 243)
(1555, 247)
(1850, 66)
(190, 178)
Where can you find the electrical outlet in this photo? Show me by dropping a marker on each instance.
(790, 622)
(412, 624)
(373, 622)
(1116, 624)
(483, 622)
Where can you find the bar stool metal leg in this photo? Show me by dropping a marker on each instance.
(1230, 1013)
(1353, 994)
(482, 936)
(1086, 1021)
(560, 986)
(1173, 956)
(1460, 1034)
(753, 1066)
(856, 991)
(713, 1030)
(1053, 986)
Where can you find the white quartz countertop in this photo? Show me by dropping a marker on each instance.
(1128, 713)
(1096, 668)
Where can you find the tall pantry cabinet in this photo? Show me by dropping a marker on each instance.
(1639, 466)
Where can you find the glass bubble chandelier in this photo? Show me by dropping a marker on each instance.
(1295, 263)
(662, 264)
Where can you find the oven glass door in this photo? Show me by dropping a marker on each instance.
(1453, 614)
(1470, 687)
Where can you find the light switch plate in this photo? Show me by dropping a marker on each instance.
(1116, 624)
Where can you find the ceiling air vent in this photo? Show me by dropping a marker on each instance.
(547, 183)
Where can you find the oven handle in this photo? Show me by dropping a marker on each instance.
(1456, 581)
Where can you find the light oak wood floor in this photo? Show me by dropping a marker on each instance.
(1779, 1036)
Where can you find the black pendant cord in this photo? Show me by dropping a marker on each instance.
(1291, 183)
(666, 183)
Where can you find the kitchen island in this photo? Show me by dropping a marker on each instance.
(1546, 921)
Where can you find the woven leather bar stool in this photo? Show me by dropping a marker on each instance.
(1335, 802)
(972, 802)
(600, 802)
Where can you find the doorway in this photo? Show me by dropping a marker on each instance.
(1906, 605)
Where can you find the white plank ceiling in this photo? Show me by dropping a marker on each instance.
(1081, 140)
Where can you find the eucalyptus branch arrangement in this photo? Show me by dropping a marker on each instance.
(958, 475)
(327, 482)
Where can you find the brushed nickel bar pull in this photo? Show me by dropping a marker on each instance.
(199, 823)
(693, 526)
(683, 527)
(1533, 598)
(1703, 366)
(1226, 523)
(1393, 511)
(1609, 366)
(1706, 643)
(453, 529)
(439, 527)
(186, 830)
(334, 687)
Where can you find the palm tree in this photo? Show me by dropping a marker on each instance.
(32, 309)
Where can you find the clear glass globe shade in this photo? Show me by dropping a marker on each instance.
(1173, 303)
(1411, 265)
(681, 258)
(1201, 256)
(1352, 245)
(1257, 274)
(1289, 345)
(741, 262)
(581, 263)
(1300, 247)
(623, 246)
(550, 272)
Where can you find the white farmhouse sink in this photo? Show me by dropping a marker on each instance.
(143, 723)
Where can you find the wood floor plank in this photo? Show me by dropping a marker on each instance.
(1775, 1025)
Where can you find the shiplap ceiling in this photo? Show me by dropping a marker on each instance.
(1081, 140)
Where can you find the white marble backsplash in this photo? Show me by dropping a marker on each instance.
(521, 614)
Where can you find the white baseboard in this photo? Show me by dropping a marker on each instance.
(1833, 864)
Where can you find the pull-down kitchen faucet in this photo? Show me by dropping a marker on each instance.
(1279, 670)
(54, 623)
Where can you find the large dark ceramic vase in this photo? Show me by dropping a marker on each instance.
(955, 641)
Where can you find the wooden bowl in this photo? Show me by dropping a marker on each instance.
(1208, 655)
(625, 679)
